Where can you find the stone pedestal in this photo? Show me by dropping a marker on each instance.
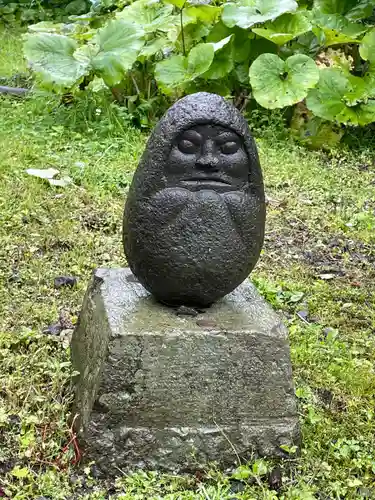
(158, 390)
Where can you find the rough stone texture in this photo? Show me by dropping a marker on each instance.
(195, 213)
(158, 390)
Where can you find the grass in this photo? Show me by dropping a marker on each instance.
(11, 61)
(317, 269)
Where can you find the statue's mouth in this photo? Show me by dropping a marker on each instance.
(206, 181)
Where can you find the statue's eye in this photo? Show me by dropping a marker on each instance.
(229, 148)
(188, 147)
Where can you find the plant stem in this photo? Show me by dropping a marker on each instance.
(135, 83)
(182, 34)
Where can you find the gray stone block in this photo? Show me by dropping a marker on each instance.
(161, 391)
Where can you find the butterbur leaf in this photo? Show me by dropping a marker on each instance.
(178, 70)
(242, 45)
(333, 100)
(360, 89)
(246, 13)
(156, 45)
(352, 9)
(171, 72)
(362, 10)
(219, 31)
(46, 27)
(314, 132)
(200, 59)
(223, 61)
(118, 44)
(151, 16)
(334, 29)
(204, 13)
(284, 28)
(242, 73)
(177, 3)
(367, 47)
(52, 56)
(277, 83)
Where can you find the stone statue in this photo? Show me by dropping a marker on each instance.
(195, 214)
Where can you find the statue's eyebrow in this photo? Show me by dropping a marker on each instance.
(227, 136)
(192, 135)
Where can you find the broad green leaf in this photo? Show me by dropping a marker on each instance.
(277, 83)
(352, 9)
(118, 46)
(360, 89)
(367, 47)
(242, 44)
(313, 132)
(284, 28)
(192, 33)
(204, 13)
(331, 100)
(177, 3)
(150, 16)
(334, 29)
(46, 27)
(222, 43)
(326, 100)
(178, 70)
(200, 59)
(219, 31)
(242, 73)
(246, 13)
(52, 56)
(154, 46)
(361, 10)
(305, 44)
(171, 72)
(223, 61)
(75, 8)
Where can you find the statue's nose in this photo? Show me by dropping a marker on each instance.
(207, 159)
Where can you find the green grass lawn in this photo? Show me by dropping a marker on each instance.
(317, 269)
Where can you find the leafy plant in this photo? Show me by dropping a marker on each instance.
(31, 11)
(277, 83)
(278, 53)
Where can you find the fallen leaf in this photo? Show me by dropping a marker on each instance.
(327, 276)
(60, 182)
(48, 173)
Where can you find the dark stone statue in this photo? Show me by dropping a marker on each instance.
(195, 214)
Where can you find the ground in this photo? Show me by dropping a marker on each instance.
(317, 269)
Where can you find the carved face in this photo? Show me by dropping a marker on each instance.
(208, 157)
